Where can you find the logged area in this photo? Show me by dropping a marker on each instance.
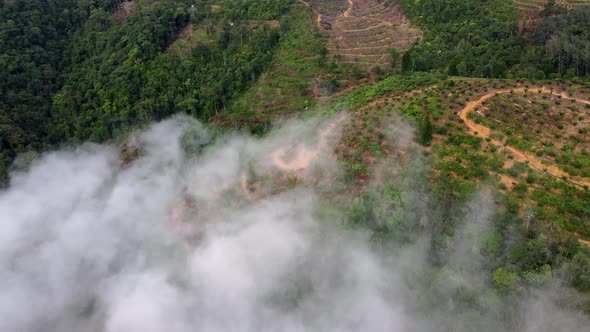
(362, 33)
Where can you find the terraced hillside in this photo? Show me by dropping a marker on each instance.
(363, 32)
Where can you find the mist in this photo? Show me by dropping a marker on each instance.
(226, 233)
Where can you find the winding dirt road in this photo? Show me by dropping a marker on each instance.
(347, 12)
(533, 161)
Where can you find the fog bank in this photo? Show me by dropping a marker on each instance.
(222, 235)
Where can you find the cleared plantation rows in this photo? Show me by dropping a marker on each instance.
(363, 33)
(477, 153)
(328, 11)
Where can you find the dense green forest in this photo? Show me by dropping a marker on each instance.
(481, 39)
(33, 37)
(73, 72)
(122, 76)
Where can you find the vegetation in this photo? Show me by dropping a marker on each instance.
(486, 42)
(120, 75)
(298, 73)
(75, 71)
(33, 37)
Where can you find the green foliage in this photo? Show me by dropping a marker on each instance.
(504, 279)
(33, 36)
(579, 269)
(517, 169)
(254, 10)
(70, 71)
(532, 255)
(289, 81)
(395, 56)
(565, 40)
(568, 207)
(539, 277)
(121, 77)
(391, 84)
(483, 37)
(194, 139)
(392, 210)
(485, 41)
(492, 242)
(425, 129)
(407, 62)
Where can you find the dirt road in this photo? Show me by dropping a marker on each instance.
(347, 12)
(533, 161)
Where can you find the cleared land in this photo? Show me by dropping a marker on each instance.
(363, 32)
(534, 161)
(472, 150)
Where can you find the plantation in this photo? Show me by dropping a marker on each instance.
(500, 151)
(549, 126)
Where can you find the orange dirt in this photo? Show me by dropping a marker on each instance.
(507, 181)
(301, 157)
(291, 168)
(347, 12)
(533, 161)
(584, 242)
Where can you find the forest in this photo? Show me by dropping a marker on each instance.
(77, 73)
(486, 42)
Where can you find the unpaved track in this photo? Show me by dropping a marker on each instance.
(533, 161)
(347, 12)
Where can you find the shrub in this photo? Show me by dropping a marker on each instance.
(504, 279)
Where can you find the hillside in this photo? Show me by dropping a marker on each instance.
(365, 32)
(295, 165)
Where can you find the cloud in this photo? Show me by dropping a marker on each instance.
(201, 234)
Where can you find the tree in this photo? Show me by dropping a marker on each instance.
(579, 269)
(406, 62)
(425, 130)
(395, 56)
(504, 279)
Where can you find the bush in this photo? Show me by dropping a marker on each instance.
(521, 189)
(504, 279)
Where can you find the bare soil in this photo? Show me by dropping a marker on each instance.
(363, 32)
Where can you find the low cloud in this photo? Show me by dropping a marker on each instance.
(211, 234)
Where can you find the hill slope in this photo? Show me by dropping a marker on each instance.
(443, 185)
